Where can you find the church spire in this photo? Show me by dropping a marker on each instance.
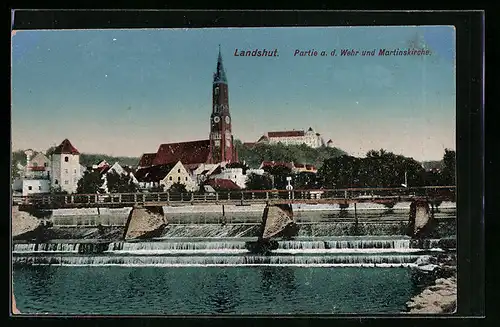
(220, 74)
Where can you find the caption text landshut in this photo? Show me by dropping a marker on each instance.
(334, 52)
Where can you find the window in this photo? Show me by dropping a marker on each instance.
(66, 182)
(35, 164)
(65, 171)
(170, 178)
(66, 159)
(186, 179)
(39, 188)
(75, 171)
(45, 164)
(179, 178)
(30, 188)
(56, 182)
(179, 171)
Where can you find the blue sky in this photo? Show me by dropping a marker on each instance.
(124, 92)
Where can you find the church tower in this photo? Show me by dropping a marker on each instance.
(221, 136)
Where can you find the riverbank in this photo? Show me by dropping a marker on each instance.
(441, 296)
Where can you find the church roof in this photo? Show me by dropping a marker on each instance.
(147, 159)
(285, 134)
(220, 74)
(189, 153)
(65, 148)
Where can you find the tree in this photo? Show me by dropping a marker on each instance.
(305, 181)
(448, 172)
(90, 183)
(178, 188)
(279, 175)
(120, 183)
(258, 182)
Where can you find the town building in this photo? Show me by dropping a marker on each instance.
(194, 156)
(65, 167)
(104, 169)
(294, 137)
(42, 174)
(295, 168)
(164, 176)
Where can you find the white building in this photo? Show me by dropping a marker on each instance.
(65, 167)
(309, 137)
(234, 174)
(105, 169)
(35, 176)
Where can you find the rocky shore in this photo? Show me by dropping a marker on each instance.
(441, 296)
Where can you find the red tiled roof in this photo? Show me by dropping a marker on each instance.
(104, 169)
(223, 184)
(37, 168)
(188, 153)
(65, 148)
(274, 164)
(147, 159)
(285, 134)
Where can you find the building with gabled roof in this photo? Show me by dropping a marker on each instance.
(65, 167)
(189, 153)
(218, 148)
(165, 176)
(221, 184)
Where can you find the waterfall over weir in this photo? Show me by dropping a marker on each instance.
(233, 252)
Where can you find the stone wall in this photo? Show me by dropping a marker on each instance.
(276, 219)
(144, 222)
(23, 223)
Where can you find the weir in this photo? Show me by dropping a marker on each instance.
(331, 252)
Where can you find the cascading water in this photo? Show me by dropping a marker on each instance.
(328, 252)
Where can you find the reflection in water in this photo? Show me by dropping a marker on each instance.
(181, 291)
(225, 294)
(277, 280)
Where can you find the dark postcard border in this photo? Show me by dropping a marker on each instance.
(470, 99)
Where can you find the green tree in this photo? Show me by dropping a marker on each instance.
(305, 181)
(90, 183)
(178, 188)
(279, 174)
(120, 183)
(448, 172)
(258, 182)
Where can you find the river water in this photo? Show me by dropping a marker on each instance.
(186, 272)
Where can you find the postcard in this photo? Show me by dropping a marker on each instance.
(234, 171)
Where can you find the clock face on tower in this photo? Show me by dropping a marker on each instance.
(228, 120)
(216, 119)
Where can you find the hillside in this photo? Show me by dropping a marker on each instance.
(303, 154)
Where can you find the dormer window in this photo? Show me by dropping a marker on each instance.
(66, 159)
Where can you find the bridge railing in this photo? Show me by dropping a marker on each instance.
(245, 196)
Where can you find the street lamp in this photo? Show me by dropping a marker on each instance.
(289, 186)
